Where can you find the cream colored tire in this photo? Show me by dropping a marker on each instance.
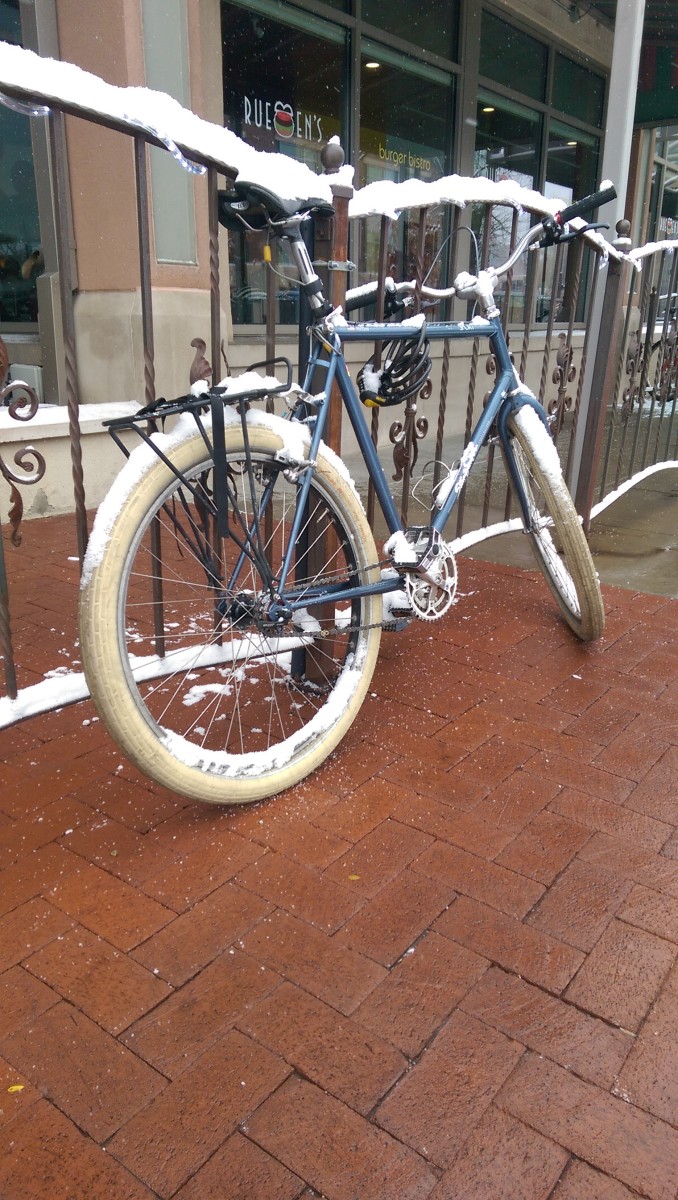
(557, 538)
(118, 632)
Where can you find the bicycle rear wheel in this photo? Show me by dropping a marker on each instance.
(192, 679)
(556, 535)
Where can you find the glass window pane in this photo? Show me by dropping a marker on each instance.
(406, 112)
(507, 147)
(285, 94)
(431, 26)
(577, 91)
(507, 141)
(571, 162)
(405, 118)
(20, 246)
(571, 172)
(513, 58)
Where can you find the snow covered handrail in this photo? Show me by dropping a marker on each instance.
(27, 77)
(388, 199)
(636, 256)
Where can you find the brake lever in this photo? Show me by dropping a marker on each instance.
(554, 237)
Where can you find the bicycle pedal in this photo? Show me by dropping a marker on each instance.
(407, 549)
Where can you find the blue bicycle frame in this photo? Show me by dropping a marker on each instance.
(506, 396)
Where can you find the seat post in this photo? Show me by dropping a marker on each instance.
(309, 281)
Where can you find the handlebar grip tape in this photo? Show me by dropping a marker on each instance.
(587, 204)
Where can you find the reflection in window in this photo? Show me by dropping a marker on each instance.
(285, 95)
(511, 57)
(406, 111)
(664, 206)
(507, 148)
(571, 172)
(430, 26)
(20, 247)
(578, 91)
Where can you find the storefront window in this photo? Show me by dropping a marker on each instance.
(577, 91)
(571, 172)
(284, 94)
(431, 26)
(406, 110)
(527, 143)
(571, 162)
(667, 149)
(511, 57)
(507, 141)
(20, 245)
(507, 148)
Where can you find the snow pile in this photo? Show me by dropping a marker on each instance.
(48, 79)
(651, 248)
(52, 692)
(389, 199)
(384, 197)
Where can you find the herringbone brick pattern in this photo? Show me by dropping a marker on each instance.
(444, 966)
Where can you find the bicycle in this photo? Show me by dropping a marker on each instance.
(232, 594)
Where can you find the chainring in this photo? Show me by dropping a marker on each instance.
(431, 590)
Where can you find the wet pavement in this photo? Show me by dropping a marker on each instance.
(444, 966)
(634, 541)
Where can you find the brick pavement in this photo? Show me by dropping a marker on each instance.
(444, 966)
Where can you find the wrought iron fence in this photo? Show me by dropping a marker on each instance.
(638, 415)
(549, 317)
(551, 345)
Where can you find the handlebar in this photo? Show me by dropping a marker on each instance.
(587, 204)
(549, 231)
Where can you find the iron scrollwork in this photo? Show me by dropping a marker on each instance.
(634, 353)
(564, 373)
(404, 435)
(22, 405)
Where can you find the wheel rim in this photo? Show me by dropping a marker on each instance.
(541, 526)
(221, 690)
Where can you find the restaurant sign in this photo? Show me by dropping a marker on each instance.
(282, 119)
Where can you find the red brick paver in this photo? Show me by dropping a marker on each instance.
(445, 966)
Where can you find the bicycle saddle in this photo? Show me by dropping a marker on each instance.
(256, 206)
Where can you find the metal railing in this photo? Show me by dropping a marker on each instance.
(634, 424)
(548, 317)
(550, 346)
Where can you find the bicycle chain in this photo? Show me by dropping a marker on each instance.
(337, 629)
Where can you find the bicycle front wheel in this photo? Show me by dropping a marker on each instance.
(194, 680)
(555, 532)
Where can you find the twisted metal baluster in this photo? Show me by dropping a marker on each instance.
(384, 235)
(33, 464)
(57, 148)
